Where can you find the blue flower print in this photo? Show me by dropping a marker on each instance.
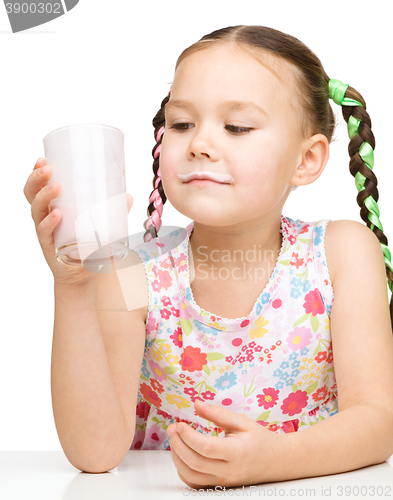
(318, 231)
(265, 298)
(293, 356)
(188, 293)
(144, 255)
(295, 373)
(290, 381)
(206, 329)
(329, 309)
(295, 293)
(296, 282)
(284, 365)
(295, 364)
(306, 286)
(284, 376)
(279, 385)
(277, 373)
(227, 381)
(258, 309)
(318, 254)
(144, 369)
(304, 351)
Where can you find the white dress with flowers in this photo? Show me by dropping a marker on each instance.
(275, 366)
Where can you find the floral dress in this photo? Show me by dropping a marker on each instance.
(275, 365)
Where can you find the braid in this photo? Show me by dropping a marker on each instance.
(157, 196)
(361, 151)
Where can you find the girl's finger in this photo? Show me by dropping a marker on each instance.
(45, 230)
(37, 179)
(40, 203)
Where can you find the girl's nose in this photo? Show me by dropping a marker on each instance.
(201, 146)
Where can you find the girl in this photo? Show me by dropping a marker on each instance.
(247, 120)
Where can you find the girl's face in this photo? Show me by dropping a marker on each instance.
(229, 114)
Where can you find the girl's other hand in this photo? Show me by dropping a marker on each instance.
(39, 193)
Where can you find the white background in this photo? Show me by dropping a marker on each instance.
(111, 62)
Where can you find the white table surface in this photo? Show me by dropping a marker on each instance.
(148, 475)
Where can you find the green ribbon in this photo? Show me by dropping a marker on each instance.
(337, 90)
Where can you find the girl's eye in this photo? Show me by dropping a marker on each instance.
(234, 129)
(181, 127)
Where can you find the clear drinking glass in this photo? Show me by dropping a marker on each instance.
(88, 162)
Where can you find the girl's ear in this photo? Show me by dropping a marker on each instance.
(312, 163)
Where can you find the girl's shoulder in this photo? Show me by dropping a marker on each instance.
(343, 237)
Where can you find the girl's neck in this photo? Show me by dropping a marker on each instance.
(256, 245)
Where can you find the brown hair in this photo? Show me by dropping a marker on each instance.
(317, 117)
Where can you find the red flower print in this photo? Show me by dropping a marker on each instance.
(321, 356)
(193, 398)
(269, 398)
(258, 348)
(242, 359)
(165, 279)
(142, 410)
(305, 229)
(250, 358)
(175, 312)
(163, 413)
(314, 303)
(150, 395)
(320, 394)
(273, 427)
(296, 261)
(156, 286)
(166, 301)
(181, 262)
(157, 386)
(262, 422)
(167, 263)
(228, 359)
(313, 412)
(155, 270)
(192, 359)
(294, 403)
(291, 239)
(208, 395)
(165, 313)
(190, 391)
(177, 337)
(290, 426)
(329, 359)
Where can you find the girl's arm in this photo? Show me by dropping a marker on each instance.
(361, 433)
(96, 362)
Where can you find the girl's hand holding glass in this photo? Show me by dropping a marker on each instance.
(39, 192)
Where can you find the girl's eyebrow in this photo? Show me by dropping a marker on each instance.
(228, 105)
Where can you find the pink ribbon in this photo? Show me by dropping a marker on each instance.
(157, 151)
(160, 133)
